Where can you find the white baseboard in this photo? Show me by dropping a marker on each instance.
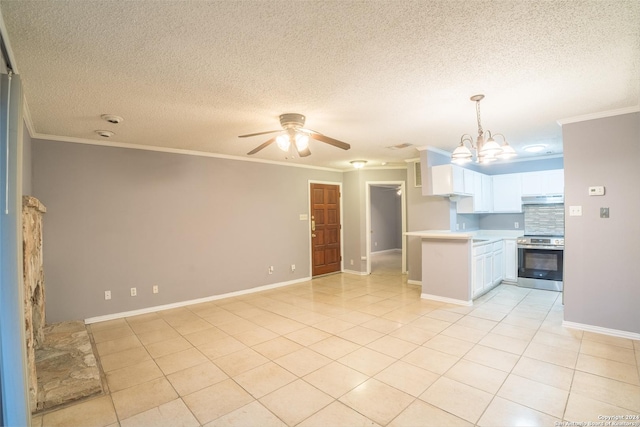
(414, 282)
(447, 300)
(603, 331)
(358, 273)
(190, 302)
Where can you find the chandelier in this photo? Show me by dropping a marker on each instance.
(485, 151)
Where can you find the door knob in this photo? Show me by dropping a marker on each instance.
(313, 235)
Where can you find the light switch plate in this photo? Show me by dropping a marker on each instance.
(575, 210)
(304, 217)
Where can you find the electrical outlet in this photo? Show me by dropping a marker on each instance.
(464, 225)
(457, 226)
(134, 292)
(375, 243)
(107, 294)
(293, 268)
(516, 224)
(351, 262)
(155, 289)
(271, 269)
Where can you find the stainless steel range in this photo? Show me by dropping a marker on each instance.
(541, 262)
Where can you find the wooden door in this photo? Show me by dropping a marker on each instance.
(325, 229)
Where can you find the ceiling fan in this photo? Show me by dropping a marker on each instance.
(295, 137)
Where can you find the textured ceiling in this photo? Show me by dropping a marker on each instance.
(196, 74)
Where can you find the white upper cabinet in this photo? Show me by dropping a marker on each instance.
(543, 183)
(481, 200)
(487, 193)
(446, 180)
(482, 193)
(507, 193)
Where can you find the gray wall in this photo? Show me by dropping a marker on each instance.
(601, 255)
(195, 226)
(355, 182)
(423, 213)
(504, 221)
(386, 219)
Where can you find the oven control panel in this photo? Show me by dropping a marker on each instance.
(541, 241)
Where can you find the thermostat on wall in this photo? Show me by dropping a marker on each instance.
(596, 191)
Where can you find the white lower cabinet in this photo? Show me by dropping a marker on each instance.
(498, 262)
(487, 269)
(510, 261)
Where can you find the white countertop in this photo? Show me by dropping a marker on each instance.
(487, 236)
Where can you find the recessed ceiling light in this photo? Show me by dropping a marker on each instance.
(105, 133)
(536, 148)
(112, 118)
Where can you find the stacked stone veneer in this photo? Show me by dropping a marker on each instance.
(34, 315)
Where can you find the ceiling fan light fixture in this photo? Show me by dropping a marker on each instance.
(294, 133)
(302, 141)
(358, 164)
(283, 142)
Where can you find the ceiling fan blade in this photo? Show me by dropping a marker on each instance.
(259, 133)
(330, 141)
(261, 146)
(308, 130)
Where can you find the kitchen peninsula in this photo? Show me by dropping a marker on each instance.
(460, 266)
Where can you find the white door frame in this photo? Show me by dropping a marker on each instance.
(339, 184)
(403, 204)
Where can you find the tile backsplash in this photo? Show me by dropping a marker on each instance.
(544, 220)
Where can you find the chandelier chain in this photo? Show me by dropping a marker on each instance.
(478, 114)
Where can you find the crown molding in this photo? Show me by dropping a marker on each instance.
(434, 149)
(114, 144)
(599, 115)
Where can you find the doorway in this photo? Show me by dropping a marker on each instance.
(394, 199)
(325, 229)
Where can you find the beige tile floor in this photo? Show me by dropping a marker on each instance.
(347, 350)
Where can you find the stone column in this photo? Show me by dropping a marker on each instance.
(34, 315)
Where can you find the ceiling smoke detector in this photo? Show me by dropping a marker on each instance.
(112, 118)
(105, 133)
